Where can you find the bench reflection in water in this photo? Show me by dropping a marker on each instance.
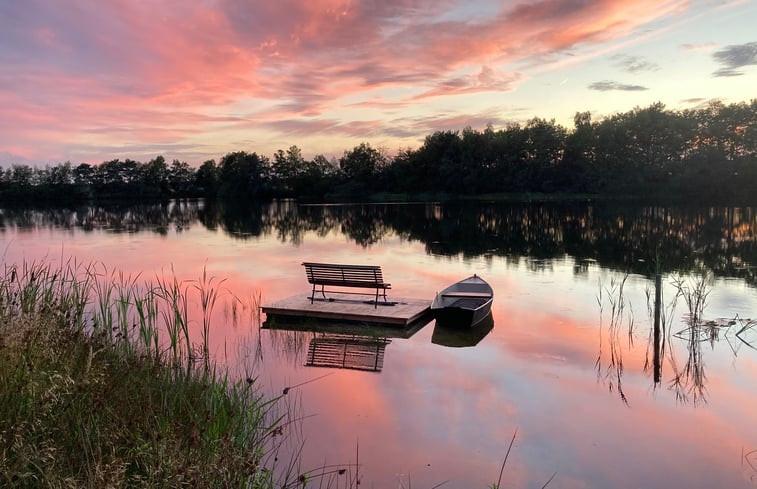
(347, 351)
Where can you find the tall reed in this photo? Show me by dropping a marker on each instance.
(689, 382)
(612, 373)
(99, 387)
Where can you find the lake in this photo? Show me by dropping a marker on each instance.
(596, 391)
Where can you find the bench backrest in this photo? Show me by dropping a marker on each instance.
(335, 274)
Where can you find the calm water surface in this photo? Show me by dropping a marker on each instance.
(572, 361)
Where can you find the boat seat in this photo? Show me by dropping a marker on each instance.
(464, 294)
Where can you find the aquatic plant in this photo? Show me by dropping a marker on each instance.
(498, 484)
(99, 387)
(689, 381)
(612, 372)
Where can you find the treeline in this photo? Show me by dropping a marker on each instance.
(708, 153)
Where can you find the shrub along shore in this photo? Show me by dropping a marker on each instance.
(102, 386)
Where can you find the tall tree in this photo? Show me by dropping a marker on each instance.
(155, 175)
(288, 171)
(180, 178)
(206, 178)
(243, 174)
(360, 168)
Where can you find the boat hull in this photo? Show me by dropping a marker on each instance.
(462, 317)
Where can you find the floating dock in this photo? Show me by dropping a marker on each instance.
(341, 307)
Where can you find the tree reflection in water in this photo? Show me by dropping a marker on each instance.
(628, 238)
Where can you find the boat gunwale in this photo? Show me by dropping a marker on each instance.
(442, 299)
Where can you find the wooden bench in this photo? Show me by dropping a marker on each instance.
(346, 276)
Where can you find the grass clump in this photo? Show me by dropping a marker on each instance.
(91, 394)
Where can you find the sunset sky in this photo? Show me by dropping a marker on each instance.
(93, 80)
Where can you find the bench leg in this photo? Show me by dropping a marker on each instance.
(312, 293)
(375, 303)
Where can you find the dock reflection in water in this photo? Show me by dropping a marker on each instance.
(335, 344)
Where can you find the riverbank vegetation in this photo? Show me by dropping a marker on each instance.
(708, 154)
(102, 386)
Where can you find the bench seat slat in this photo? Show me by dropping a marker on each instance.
(353, 283)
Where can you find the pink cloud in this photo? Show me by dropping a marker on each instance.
(486, 80)
(706, 46)
(160, 73)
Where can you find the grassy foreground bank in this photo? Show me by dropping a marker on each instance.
(101, 386)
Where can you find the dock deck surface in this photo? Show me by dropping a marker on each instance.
(400, 312)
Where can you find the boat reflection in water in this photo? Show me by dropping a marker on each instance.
(458, 336)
